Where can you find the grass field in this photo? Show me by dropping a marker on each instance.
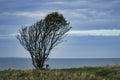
(111, 72)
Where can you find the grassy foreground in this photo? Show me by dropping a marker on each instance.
(84, 73)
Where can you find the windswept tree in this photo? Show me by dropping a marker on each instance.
(40, 38)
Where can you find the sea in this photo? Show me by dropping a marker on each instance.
(57, 63)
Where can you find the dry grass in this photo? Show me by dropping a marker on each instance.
(86, 73)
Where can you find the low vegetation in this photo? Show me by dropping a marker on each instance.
(84, 73)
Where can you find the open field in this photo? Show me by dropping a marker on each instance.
(110, 72)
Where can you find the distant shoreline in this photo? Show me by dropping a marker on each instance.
(55, 58)
(57, 63)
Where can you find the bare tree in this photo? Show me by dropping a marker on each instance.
(40, 38)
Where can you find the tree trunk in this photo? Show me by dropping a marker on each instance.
(39, 62)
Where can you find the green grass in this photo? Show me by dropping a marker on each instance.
(84, 73)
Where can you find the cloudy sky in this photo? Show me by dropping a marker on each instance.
(95, 25)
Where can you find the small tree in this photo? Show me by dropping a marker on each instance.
(40, 38)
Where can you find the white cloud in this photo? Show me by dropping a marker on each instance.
(54, 3)
(32, 14)
(66, 3)
(14, 34)
(102, 32)
(29, 14)
(8, 35)
(7, 0)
